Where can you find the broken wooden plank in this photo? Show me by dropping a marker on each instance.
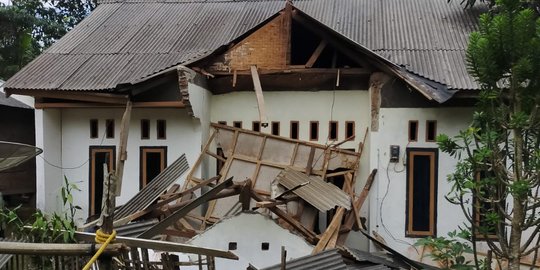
(161, 245)
(260, 98)
(316, 53)
(245, 195)
(332, 228)
(122, 157)
(158, 228)
(311, 237)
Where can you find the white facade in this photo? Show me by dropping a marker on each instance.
(389, 189)
(248, 231)
(64, 136)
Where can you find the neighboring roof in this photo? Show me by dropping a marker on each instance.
(322, 195)
(122, 42)
(334, 260)
(9, 101)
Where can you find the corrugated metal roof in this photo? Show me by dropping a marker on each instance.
(326, 260)
(156, 187)
(134, 229)
(11, 102)
(331, 260)
(428, 38)
(322, 195)
(123, 41)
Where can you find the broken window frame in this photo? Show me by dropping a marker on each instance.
(93, 150)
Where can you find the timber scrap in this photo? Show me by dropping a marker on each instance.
(291, 180)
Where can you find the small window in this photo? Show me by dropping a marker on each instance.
(333, 130)
(233, 245)
(145, 129)
(161, 129)
(431, 130)
(256, 126)
(222, 122)
(313, 130)
(413, 131)
(349, 129)
(295, 129)
(265, 246)
(275, 128)
(109, 128)
(94, 128)
(237, 124)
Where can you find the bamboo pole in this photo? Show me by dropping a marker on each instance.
(46, 249)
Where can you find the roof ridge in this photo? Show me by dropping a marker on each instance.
(422, 50)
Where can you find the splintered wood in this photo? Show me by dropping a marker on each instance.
(255, 160)
(297, 183)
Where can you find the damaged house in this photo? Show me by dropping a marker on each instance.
(281, 96)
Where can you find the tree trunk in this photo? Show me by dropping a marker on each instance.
(518, 207)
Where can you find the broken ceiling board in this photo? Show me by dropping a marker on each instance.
(152, 191)
(265, 176)
(260, 157)
(322, 195)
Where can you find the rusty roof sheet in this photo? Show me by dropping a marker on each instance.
(123, 41)
(322, 195)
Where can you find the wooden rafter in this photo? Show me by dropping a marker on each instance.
(316, 54)
(260, 98)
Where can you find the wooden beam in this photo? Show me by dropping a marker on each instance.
(245, 195)
(294, 69)
(122, 157)
(352, 54)
(350, 219)
(47, 249)
(330, 231)
(316, 54)
(152, 104)
(260, 98)
(161, 246)
(287, 26)
(311, 237)
(74, 95)
(180, 213)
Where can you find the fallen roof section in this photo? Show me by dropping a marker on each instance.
(334, 259)
(324, 196)
(151, 192)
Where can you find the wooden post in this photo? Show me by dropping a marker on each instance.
(122, 157)
(283, 258)
(259, 95)
(107, 213)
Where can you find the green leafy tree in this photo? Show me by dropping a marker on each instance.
(499, 155)
(27, 27)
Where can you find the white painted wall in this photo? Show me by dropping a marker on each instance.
(48, 177)
(200, 101)
(249, 231)
(390, 183)
(66, 143)
(286, 106)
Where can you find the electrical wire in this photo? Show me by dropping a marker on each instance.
(78, 166)
(381, 212)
